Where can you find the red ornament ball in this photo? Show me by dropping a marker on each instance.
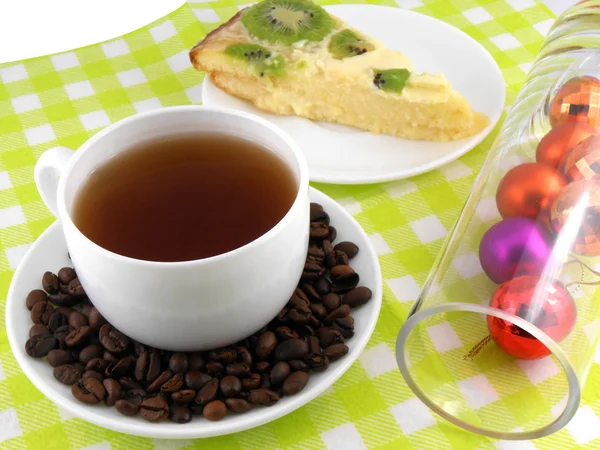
(585, 196)
(544, 303)
(578, 98)
(557, 144)
(528, 189)
(583, 163)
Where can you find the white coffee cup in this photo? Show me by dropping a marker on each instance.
(189, 305)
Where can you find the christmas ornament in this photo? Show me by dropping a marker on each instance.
(578, 98)
(583, 163)
(580, 194)
(514, 246)
(527, 189)
(544, 303)
(554, 148)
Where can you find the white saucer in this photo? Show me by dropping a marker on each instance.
(50, 253)
(344, 155)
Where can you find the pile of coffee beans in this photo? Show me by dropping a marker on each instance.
(101, 364)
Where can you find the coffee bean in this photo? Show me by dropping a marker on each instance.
(314, 346)
(113, 391)
(61, 335)
(265, 381)
(50, 283)
(298, 364)
(244, 356)
(141, 366)
(75, 288)
(196, 361)
(86, 308)
(97, 364)
(294, 383)
(349, 248)
(335, 351)
(135, 396)
(64, 310)
(322, 286)
(358, 296)
(76, 320)
(291, 349)
(66, 274)
(120, 368)
(332, 301)
(279, 372)
(299, 315)
(237, 405)
(35, 296)
(318, 231)
(41, 312)
(264, 397)
(305, 329)
(68, 373)
(332, 234)
(128, 384)
(173, 384)
(95, 319)
(284, 333)
(343, 278)
(312, 272)
(345, 326)
(251, 382)
(216, 369)
(215, 410)
(178, 363)
(329, 336)
(318, 362)
(78, 337)
(184, 396)
(90, 352)
(88, 390)
(109, 356)
(310, 292)
(315, 255)
(298, 298)
(223, 355)
(281, 316)
(230, 386)
(113, 340)
(62, 299)
(327, 248)
(238, 369)
(40, 345)
(154, 409)
(265, 345)
(317, 214)
(93, 374)
(180, 414)
(262, 366)
(58, 357)
(194, 379)
(341, 259)
(338, 313)
(38, 328)
(319, 311)
(160, 380)
(208, 392)
(126, 408)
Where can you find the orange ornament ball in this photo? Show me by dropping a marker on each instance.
(528, 189)
(554, 148)
(578, 98)
(583, 163)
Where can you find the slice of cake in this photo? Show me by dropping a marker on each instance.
(292, 57)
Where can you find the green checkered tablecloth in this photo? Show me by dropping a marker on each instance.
(64, 99)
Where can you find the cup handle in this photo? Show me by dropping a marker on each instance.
(48, 170)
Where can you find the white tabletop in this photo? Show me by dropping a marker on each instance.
(40, 27)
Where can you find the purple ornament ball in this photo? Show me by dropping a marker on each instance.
(514, 246)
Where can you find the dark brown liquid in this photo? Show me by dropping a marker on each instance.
(184, 198)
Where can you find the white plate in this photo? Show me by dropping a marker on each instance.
(345, 155)
(50, 253)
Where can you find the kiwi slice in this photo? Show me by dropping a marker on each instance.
(391, 80)
(261, 60)
(287, 21)
(347, 43)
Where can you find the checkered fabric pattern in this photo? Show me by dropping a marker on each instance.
(64, 99)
